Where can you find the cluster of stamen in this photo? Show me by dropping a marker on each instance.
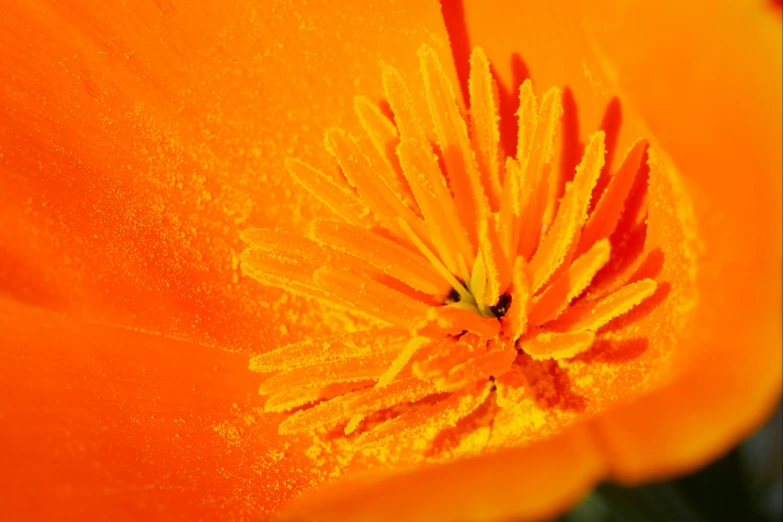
(467, 268)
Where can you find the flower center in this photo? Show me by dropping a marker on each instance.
(487, 271)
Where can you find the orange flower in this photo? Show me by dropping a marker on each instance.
(138, 141)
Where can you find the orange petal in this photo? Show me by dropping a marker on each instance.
(161, 133)
(497, 486)
(134, 421)
(695, 423)
(716, 142)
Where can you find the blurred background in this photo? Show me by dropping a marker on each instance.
(745, 485)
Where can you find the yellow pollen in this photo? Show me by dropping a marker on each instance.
(480, 284)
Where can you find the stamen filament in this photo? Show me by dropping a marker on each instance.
(461, 290)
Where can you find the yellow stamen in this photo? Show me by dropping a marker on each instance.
(384, 137)
(570, 217)
(454, 144)
(484, 125)
(535, 167)
(470, 264)
(337, 197)
(554, 345)
(375, 192)
(442, 270)
(592, 315)
(383, 253)
(609, 208)
(421, 169)
(548, 305)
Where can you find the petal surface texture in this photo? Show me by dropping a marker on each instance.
(105, 422)
(137, 140)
